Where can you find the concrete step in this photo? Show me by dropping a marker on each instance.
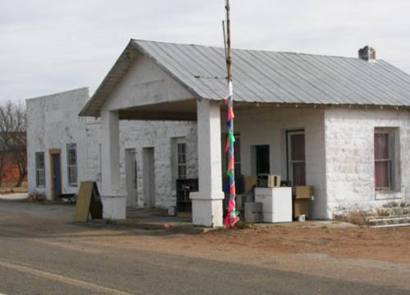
(394, 209)
(389, 221)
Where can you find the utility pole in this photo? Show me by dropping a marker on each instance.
(232, 217)
(228, 42)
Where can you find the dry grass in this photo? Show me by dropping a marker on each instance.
(355, 217)
(35, 197)
(10, 188)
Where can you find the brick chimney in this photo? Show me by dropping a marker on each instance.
(367, 53)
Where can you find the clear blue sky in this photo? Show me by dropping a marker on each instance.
(48, 46)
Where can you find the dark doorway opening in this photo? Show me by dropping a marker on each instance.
(262, 159)
(56, 179)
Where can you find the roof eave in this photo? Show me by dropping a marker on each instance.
(126, 57)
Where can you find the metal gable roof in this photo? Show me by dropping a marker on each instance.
(276, 77)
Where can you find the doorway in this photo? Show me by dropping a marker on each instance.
(148, 167)
(262, 160)
(296, 157)
(131, 177)
(56, 179)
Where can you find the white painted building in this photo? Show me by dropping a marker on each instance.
(55, 134)
(55, 130)
(338, 124)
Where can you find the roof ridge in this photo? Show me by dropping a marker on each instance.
(247, 49)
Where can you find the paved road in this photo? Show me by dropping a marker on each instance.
(31, 264)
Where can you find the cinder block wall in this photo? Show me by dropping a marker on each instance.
(349, 137)
(141, 134)
(138, 135)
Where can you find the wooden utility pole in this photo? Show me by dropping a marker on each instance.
(232, 216)
(228, 41)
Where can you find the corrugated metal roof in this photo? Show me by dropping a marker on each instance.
(276, 77)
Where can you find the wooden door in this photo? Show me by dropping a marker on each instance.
(296, 158)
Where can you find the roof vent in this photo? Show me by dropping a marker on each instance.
(367, 53)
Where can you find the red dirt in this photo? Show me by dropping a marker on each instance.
(389, 244)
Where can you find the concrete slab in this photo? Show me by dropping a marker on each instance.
(14, 197)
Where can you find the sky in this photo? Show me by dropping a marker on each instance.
(48, 46)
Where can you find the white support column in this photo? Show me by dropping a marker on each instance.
(114, 202)
(207, 209)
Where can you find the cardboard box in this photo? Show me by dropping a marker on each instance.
(269, 180)
(301, 207)
(250, 182)
(274, 180)
(303, 192)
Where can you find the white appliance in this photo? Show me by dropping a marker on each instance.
(276, 203)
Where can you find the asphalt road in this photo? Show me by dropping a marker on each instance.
(30, 264)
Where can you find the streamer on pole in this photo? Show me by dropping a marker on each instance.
(233, 215)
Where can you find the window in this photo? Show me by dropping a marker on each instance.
(181, 160)
(72, 164)
(40, 170)
(296, 157)
(385, 158)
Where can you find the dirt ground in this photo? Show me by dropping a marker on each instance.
(388, 244)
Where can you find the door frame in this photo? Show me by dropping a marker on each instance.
(131, 177)
(51, 153)
(254, 158)
(148, 203)
(288, 134)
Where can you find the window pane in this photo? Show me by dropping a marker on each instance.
(181, 148)
(382, 175)
(299, 177)
(72, 163)
(40, 171)
(181, 172)
(297, 147)
(72, 175)
(40, 160)
(181, 159)
(381, 143)
(72, 157)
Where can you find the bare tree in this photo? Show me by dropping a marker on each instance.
(13, 125)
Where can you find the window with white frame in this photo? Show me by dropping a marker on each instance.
(72, 164)
(40, 170)
(386, 168)
(181, 160)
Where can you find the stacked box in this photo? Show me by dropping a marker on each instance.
(301, 200)
(253, 212)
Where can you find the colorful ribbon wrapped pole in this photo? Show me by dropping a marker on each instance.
(233, 215)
